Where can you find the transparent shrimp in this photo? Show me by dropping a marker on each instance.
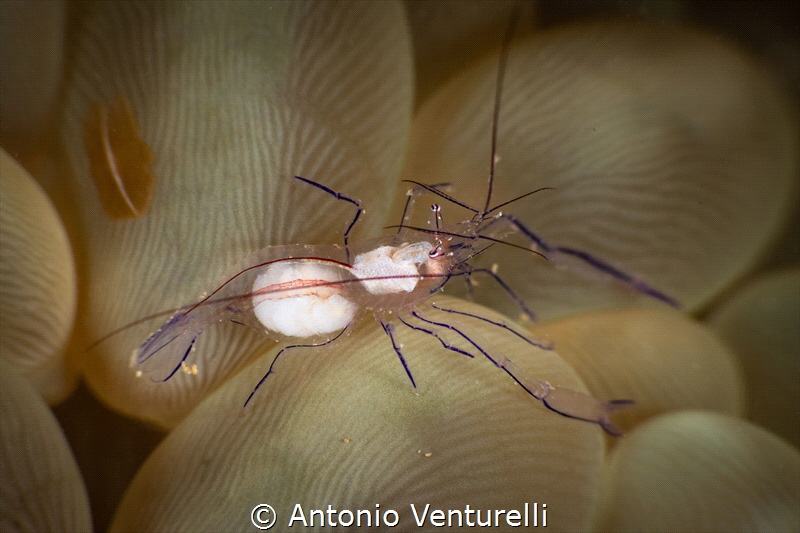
(315, 294)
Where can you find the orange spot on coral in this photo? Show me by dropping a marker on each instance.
(119, 160)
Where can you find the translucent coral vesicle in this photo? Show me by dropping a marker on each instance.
(119, 160)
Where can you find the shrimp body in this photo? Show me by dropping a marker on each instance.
(298, 292)
(392, 269)
(295, 298)
(314, 294)
(308, 292)
(307, 297)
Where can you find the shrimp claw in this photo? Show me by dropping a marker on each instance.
(567, 402)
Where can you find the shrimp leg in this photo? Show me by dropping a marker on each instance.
(436, 336)
(508, 290)
(574, 259)
(281, 352)
(388, 328)
(537, 343)
(339, 196)
(565, 402)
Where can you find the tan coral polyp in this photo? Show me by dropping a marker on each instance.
(37, 284)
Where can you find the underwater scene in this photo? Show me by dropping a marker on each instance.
(399, 265)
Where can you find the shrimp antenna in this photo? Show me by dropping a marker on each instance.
(443, 195)
(142, 320)
(520, 197)
(498, 92)
(410, 196)
(483, 237)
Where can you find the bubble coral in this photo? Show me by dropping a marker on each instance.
(37, 284)
(671, 153)
(761, 324)
(703, 471)
(42, 487)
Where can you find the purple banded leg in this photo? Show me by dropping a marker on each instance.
(435, 335)
(566, 256)
(565, 402)
(469, 286)
(538, 344)
(185, 355)
(509, 291)
(284, 349)
(388, 328)
(339, 196)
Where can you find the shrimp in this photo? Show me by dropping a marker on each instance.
(311, 295)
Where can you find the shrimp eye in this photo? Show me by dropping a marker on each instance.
(435, 252)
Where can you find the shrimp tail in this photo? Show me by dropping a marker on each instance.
(173, 342)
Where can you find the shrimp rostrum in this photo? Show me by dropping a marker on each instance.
(314, 293)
